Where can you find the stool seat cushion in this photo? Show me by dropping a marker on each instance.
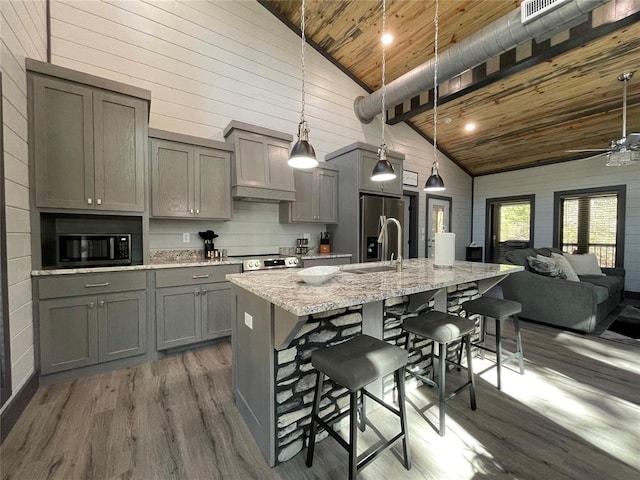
(359, 361)
(439, 326)
(492, 307)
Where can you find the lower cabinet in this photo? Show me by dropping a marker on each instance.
(315, 262)
(195, 312)
(77, 331)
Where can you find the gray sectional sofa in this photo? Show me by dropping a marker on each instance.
(572, 305)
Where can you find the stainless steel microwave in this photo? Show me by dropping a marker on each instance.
(93, 250)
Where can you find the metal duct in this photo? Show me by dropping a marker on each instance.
(502, 35)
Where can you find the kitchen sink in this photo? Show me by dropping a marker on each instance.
(372, 269)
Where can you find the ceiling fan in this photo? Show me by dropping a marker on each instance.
(626, 150)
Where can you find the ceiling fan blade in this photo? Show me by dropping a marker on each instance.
(605, 150)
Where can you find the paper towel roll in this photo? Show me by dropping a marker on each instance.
(445, 249)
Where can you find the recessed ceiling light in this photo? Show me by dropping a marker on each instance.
(470, 127)
(387, 38)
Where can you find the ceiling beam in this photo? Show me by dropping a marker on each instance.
(513, 61)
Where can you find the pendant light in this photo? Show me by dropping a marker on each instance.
(302, 154)
(383, 171)
(434, 182)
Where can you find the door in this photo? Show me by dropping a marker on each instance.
(509, 225)
(68, 333)
(218, 309)
(304, 206)
(327, 195)
(371, 211)
(172, 179)
(178, 311)
(438, 220)
(393, 208)
(63, 144)
(119, 151)
(213, 184)
(122, 325)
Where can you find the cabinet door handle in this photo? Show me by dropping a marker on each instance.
(92, 304)
(102, 303)
(201, 276)
(91, 285)
(89, 201)
(204, 292)
(198, 211)
(99, 201)
(191, 211)
(197, 292)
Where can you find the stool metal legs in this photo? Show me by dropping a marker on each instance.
(441, 383)
(500, 359)
(356, 406)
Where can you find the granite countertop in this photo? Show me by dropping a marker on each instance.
(171, 259)
(318, 256)
(128, 268)
(284, 289)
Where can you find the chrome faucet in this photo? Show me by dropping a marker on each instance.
(383, 232)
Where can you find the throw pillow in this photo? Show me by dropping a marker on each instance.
(584, 264)
(566, 267)
(545, 267)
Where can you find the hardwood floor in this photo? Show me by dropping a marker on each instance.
(575, 414)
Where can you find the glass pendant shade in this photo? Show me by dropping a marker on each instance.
(434, 182)
(302, 154)
(383, 171)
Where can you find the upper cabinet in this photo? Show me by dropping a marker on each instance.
(316, 197)
(260, 171)
(89, 143)
(190, 177)
(356, 162)
(367, 163)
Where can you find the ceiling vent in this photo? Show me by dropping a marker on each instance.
(532, 9)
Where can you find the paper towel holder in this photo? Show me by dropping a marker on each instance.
(445, 250)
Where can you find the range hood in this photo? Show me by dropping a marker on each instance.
(260, 172)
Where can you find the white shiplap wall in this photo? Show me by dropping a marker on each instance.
(207, 63)
(544, 181)
(23, 35)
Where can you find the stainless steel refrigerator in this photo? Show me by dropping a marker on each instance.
(373, 211)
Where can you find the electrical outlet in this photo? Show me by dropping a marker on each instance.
(186, 237)
(248, 320)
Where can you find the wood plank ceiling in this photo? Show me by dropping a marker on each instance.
(559, 94)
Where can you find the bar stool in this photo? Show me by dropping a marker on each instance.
(443, 329)
(353, 365)
(498, 309)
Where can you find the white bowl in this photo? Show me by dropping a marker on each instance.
(317, 275)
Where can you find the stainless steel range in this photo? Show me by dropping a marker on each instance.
(267, 262)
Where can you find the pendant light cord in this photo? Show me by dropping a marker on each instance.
(302, 36)
(384, 65)
(435, 87)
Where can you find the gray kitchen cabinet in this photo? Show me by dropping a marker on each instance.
(88, 147)
(260, 169)
(316, 197)
(189, 181)
(356, 162)
(315, 262)
(89, 319)
(193, 304)
(392, 187)
(218, 310)
(68, 333)
(178, 316)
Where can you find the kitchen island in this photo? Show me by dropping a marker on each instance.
(280, 320)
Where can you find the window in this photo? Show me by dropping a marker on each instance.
(592, 221)
(509, 225)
